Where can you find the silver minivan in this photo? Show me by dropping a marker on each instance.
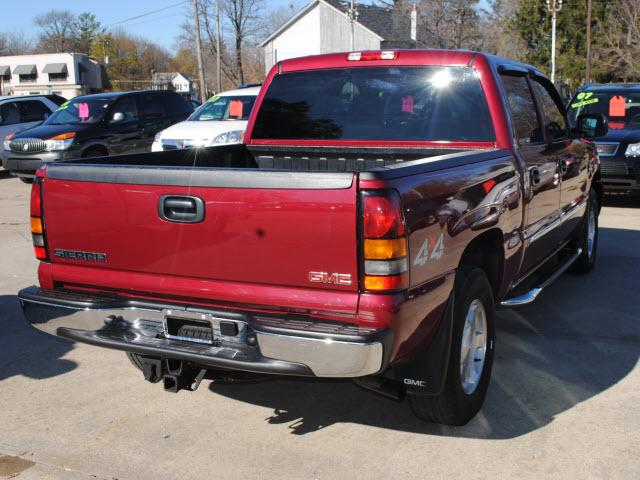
(18, 113)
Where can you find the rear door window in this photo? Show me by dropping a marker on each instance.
(34, 111)
(151, 107)
(554, 120)
(176, 105)
(376, 103)
(523, 110)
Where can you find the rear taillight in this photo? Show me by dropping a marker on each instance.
(384, 244)
(37, 217)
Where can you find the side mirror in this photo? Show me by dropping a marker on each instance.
(117, 117)
(592, 125)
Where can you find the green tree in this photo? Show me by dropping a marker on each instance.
(532, 23)
(86, 28)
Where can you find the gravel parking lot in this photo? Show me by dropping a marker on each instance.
(563, 402)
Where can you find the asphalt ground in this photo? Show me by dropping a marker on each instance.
(564, 401)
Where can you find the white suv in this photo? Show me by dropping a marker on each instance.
(221, 120)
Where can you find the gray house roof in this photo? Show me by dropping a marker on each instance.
(392, 24)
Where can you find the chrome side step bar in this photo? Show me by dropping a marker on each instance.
(532, 294)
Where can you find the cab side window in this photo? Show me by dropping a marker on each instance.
(523, 110)
(555, 123)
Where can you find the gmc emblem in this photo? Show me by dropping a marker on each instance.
(331, 278)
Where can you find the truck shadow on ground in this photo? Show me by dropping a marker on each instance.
(579, 339)
(26, 351)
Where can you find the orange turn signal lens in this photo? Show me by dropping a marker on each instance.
(377, 283)
(385, 249)
(64, 136)
(36, 225)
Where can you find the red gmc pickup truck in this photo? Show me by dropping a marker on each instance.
(382, 206)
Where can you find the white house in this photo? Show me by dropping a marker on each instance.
(65, 74)
(324, 26)
(176, 81)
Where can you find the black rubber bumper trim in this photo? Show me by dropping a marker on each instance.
(116, 340)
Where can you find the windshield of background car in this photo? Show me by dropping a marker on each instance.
(80, 111)
(225, 108)
(621, 108)
(376, 103)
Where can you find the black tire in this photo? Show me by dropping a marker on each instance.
(454, 406)
(587, 260)
(94, 152)
(26, 179)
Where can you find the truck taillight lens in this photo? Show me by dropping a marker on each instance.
(37, 220)
(384, 244)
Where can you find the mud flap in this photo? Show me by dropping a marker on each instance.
(426, 372)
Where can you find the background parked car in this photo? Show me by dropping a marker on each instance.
(93, 126)
(619, 148)
(21, 113)
(222, 119)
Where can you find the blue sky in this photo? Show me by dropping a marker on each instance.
(161, 27)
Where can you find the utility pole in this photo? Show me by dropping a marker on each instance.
(588, 67)
(196, 21)
(353, 18)
(218, 72)
(554, 7)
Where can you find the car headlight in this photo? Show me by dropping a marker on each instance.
(59, 142)
(633, 150)
(7, 141)
(235, 136)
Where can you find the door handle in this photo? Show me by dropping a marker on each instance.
(535, 175)
(181, 208)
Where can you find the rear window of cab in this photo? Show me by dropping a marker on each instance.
(376, 103)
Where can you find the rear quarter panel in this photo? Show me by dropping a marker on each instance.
(444, 211)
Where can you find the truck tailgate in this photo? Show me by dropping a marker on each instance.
(270, 236)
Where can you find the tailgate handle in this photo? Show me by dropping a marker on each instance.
(181, 209)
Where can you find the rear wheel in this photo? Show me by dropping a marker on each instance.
(470, 356)
(587, 237)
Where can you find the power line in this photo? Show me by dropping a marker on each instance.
(147, 13)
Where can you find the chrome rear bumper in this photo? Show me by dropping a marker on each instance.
(262, 344)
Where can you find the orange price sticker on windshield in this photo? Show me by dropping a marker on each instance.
(617, 106)
(235, 108)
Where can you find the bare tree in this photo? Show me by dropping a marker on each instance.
(498, 35)
(450, 23)
(621, 51)
(56, 30)
(245, 17)
(14, 44)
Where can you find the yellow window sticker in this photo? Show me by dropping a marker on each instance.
(584, 99)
